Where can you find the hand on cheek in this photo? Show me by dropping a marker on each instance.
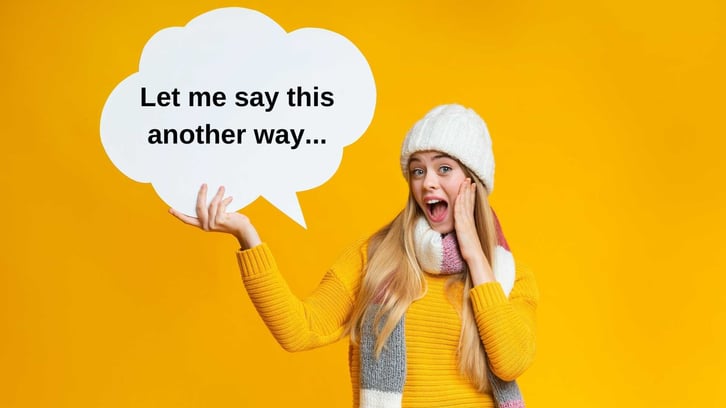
(466, 234)
(464, 221)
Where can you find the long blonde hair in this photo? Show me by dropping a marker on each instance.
(393, 279)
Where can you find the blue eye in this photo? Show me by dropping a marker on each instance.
(417, 172)
(445, 169)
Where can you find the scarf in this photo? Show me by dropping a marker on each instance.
(382, 379)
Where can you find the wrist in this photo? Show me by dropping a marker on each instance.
(248, 239)
(475, 257)
(480, 273)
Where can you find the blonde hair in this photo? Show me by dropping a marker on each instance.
(393, 279)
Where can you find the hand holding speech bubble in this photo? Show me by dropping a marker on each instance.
(232, 99)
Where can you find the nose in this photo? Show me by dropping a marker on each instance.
(431, 180)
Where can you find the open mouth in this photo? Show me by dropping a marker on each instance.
(436, 210)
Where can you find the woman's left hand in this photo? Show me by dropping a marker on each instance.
(466, 234)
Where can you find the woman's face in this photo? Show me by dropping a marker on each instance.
(434, 179)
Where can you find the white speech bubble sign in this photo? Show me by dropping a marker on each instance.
(232, 99)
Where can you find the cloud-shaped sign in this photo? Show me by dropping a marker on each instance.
(232, 99)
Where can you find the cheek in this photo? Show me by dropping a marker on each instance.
(415, 188)
(452, 189)
(452, 200)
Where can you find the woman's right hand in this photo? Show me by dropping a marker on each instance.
(216, 218)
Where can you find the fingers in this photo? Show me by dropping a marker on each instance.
(220, 216)
(465, 225)
(209, 218)
(464, 206)
(212, 211)
(222, 209)
(462, 187)
(184, 218)
(466, 198)
(207, 215)
(201, 207)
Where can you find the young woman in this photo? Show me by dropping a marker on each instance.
(436, 314)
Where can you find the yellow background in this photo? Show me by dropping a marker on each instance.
(607, 120)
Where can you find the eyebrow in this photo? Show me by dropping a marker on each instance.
(438, 156)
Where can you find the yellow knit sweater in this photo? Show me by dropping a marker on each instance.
(506, 326)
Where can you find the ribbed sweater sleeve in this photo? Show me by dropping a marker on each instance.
(301, 324)
(507, 326)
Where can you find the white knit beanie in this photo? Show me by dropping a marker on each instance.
(458, 132)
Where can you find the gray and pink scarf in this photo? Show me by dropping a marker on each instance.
(382, 379)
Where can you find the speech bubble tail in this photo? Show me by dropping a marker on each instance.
(289, 205)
